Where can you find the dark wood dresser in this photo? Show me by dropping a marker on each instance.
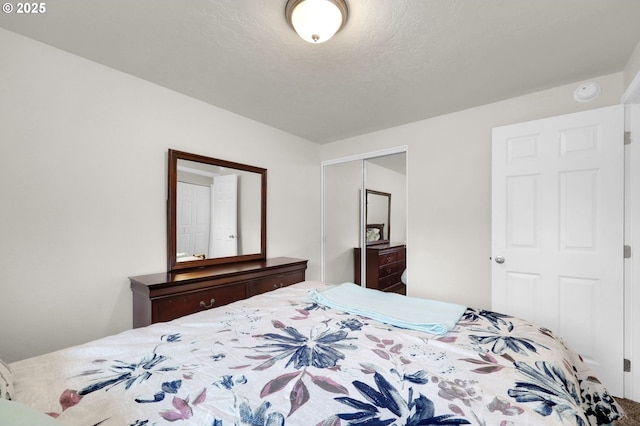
(385, 265)
(169, 295)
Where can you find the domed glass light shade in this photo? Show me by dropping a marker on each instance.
(316, 21)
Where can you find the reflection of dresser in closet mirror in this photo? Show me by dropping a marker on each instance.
(385, 265)
(385, 261)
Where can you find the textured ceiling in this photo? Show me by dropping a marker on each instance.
(395, 62)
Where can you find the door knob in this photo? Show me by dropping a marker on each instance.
(499, 259)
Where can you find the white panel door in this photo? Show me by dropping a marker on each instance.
(193, 218)
(557, 231)
(224, 241)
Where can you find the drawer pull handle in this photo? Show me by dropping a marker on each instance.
(204, 305)
(278, 285)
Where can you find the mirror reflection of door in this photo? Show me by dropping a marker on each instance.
(206, 213)
(224, 232)
(193, 218)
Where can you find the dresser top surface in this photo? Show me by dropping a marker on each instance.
(217, 271)
(385, 246)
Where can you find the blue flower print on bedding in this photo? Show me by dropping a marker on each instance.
(495, 318)
(352, 324)
(167, 387)
(600, 407)
(229, 382)
(548, 387)
(385, 406)
(501, 341)
(317, 350)
(320, 349)
(171, 338)
(129, 372)
(503, 337)
(261, 416)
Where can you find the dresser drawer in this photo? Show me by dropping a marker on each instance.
(388, 269)
(402, 254)
(386, 258)
(385, 282)
(385, 264)
(399, 288)
(273, 282)
(170, 307)
(401, 266)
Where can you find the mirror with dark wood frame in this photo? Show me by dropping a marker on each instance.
(216, 211)
(378, 216)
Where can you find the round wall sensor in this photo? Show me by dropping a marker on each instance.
(587, 92)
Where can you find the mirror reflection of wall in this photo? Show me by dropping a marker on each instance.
(342, 186)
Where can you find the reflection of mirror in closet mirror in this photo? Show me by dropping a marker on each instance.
(378, 214)
(344, 184)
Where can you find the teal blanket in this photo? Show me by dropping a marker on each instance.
(431, 316)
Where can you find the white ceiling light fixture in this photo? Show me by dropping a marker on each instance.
(316, 21)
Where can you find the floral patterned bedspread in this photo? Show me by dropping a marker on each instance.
(279, 359)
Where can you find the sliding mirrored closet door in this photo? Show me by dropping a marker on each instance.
(342, 186)
(352, 187)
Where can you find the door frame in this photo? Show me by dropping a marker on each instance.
(631, 100)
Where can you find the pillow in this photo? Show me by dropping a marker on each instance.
(6, 381)
(16, 414)
(373, 234)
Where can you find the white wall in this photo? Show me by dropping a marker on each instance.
(83, 194)
(632, 68)
(449, 179)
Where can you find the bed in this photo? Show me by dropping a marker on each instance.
(282, 358)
